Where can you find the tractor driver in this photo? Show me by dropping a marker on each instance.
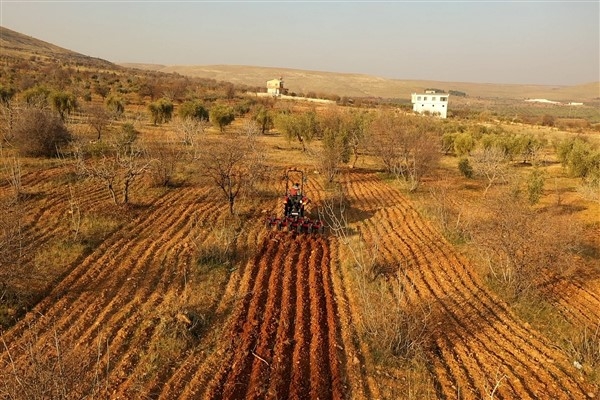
(295, 190)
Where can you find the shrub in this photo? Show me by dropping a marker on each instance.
(38, 133)
(465, 168)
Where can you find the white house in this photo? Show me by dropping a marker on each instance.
(430, 101)
(275, 87)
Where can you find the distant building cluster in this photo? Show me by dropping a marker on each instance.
(431, 102)
(546, 101)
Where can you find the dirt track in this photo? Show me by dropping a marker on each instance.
(285, 319)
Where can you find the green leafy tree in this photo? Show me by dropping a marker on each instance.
(161, 111)
(115, 105)
(193, 109)
(465, 168)
(221, 115)
(335, 130)
(535, 185)
(448, 142)
(37, 96)
(463, 144)
(578, 156)
(264, 119)
(302, 127)
(6, 95)
(63, 102)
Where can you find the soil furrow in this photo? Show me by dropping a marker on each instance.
(449, 280)
(281, 366)
(299, 384)
(244, 333)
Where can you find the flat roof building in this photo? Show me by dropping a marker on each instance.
(275, 87)
(431, 102)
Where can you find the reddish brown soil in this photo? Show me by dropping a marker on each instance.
(284, 321)
(477, 341)
(282, 343)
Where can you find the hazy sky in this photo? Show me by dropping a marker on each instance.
(539, 42)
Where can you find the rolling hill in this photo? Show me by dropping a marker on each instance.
(16, 45)
(19, 46)
(362, 85)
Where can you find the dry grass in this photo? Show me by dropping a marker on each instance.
(362, 85)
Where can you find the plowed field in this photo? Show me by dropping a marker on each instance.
(283, 320)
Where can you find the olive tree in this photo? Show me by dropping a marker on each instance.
(63, 103)
(302, 127)
(222, 115)
(161, 111)
(193, 110)
(264, 119)
(7, 94)
(116, 106)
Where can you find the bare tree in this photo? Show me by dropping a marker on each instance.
(397, 331)
(163, 164)
(98, 118)
(408, 146)
(11, 169)
(118, 165)
(233, 163)
(50, 368)
(521, 245)
(491, 163)
(189, 129)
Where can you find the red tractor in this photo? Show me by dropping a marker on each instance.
(294, 202)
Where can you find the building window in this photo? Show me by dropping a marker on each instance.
(433, 99)
(425, 98)
(443, 99)
(418, 98)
